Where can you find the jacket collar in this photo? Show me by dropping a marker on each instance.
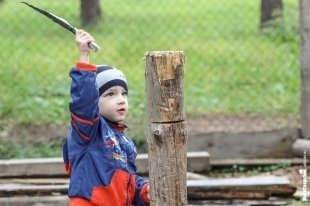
(120, 127)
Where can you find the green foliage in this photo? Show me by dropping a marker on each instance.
(30, 149)
(298, 203)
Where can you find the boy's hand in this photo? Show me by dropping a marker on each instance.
(82, 39)
(148, 191)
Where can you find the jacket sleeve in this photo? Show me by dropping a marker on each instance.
(66, 157)
(141, 192)
(83, 106)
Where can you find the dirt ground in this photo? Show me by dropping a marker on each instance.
(196, 125)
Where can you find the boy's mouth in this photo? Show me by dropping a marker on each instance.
(121, 110)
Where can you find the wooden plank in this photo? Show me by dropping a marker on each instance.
(245, 181)
(53, 200)
(276, 144)
(232, 188)
(36, 181)
(240, 188)
(7, 190)
(32, 167)
(215, 163)
(198, 161)
(66, 180)
(54, 167)
(62, 200)
(269, 202)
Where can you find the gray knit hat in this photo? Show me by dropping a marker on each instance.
(108, 77)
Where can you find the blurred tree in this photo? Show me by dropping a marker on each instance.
(90, 12)
(270, 10)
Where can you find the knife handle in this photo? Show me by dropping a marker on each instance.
(93, 46)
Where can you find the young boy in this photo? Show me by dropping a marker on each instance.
(98, 156)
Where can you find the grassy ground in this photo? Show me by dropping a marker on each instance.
(232, 67)
(227, 65)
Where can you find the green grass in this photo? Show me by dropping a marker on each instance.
(229, 62)
(30, 149)
(231, 66)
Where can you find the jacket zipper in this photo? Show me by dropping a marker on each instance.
(128, 185)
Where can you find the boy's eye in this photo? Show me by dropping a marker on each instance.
(124, 93)
(110, 94)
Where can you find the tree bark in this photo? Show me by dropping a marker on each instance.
(90, 12)
(270, 10)
(167, 135)
(305, 67)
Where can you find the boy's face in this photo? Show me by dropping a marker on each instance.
(113, 104)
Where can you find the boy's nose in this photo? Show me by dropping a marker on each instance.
(121, 100)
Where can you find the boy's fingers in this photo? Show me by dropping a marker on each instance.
(84, 35)
(78, 31)
(148, 191)
(81, 33)
(85, 39)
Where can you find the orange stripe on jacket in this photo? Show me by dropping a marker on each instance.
(85, 121)
(86, 66)
(80, 133)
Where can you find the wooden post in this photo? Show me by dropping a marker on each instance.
(305, 67)
(167, 134)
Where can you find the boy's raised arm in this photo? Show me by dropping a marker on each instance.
(84, 95)
(82, 39)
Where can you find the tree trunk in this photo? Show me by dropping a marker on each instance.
(90, 12)
(305, 67)
(167, 135)
(270, 10)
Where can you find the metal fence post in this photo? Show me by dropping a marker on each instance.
(167, 135)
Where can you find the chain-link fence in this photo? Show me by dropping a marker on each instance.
(238, 77)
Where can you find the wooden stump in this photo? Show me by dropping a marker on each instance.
(167, 134)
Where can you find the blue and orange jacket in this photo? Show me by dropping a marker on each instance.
(101, 171)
